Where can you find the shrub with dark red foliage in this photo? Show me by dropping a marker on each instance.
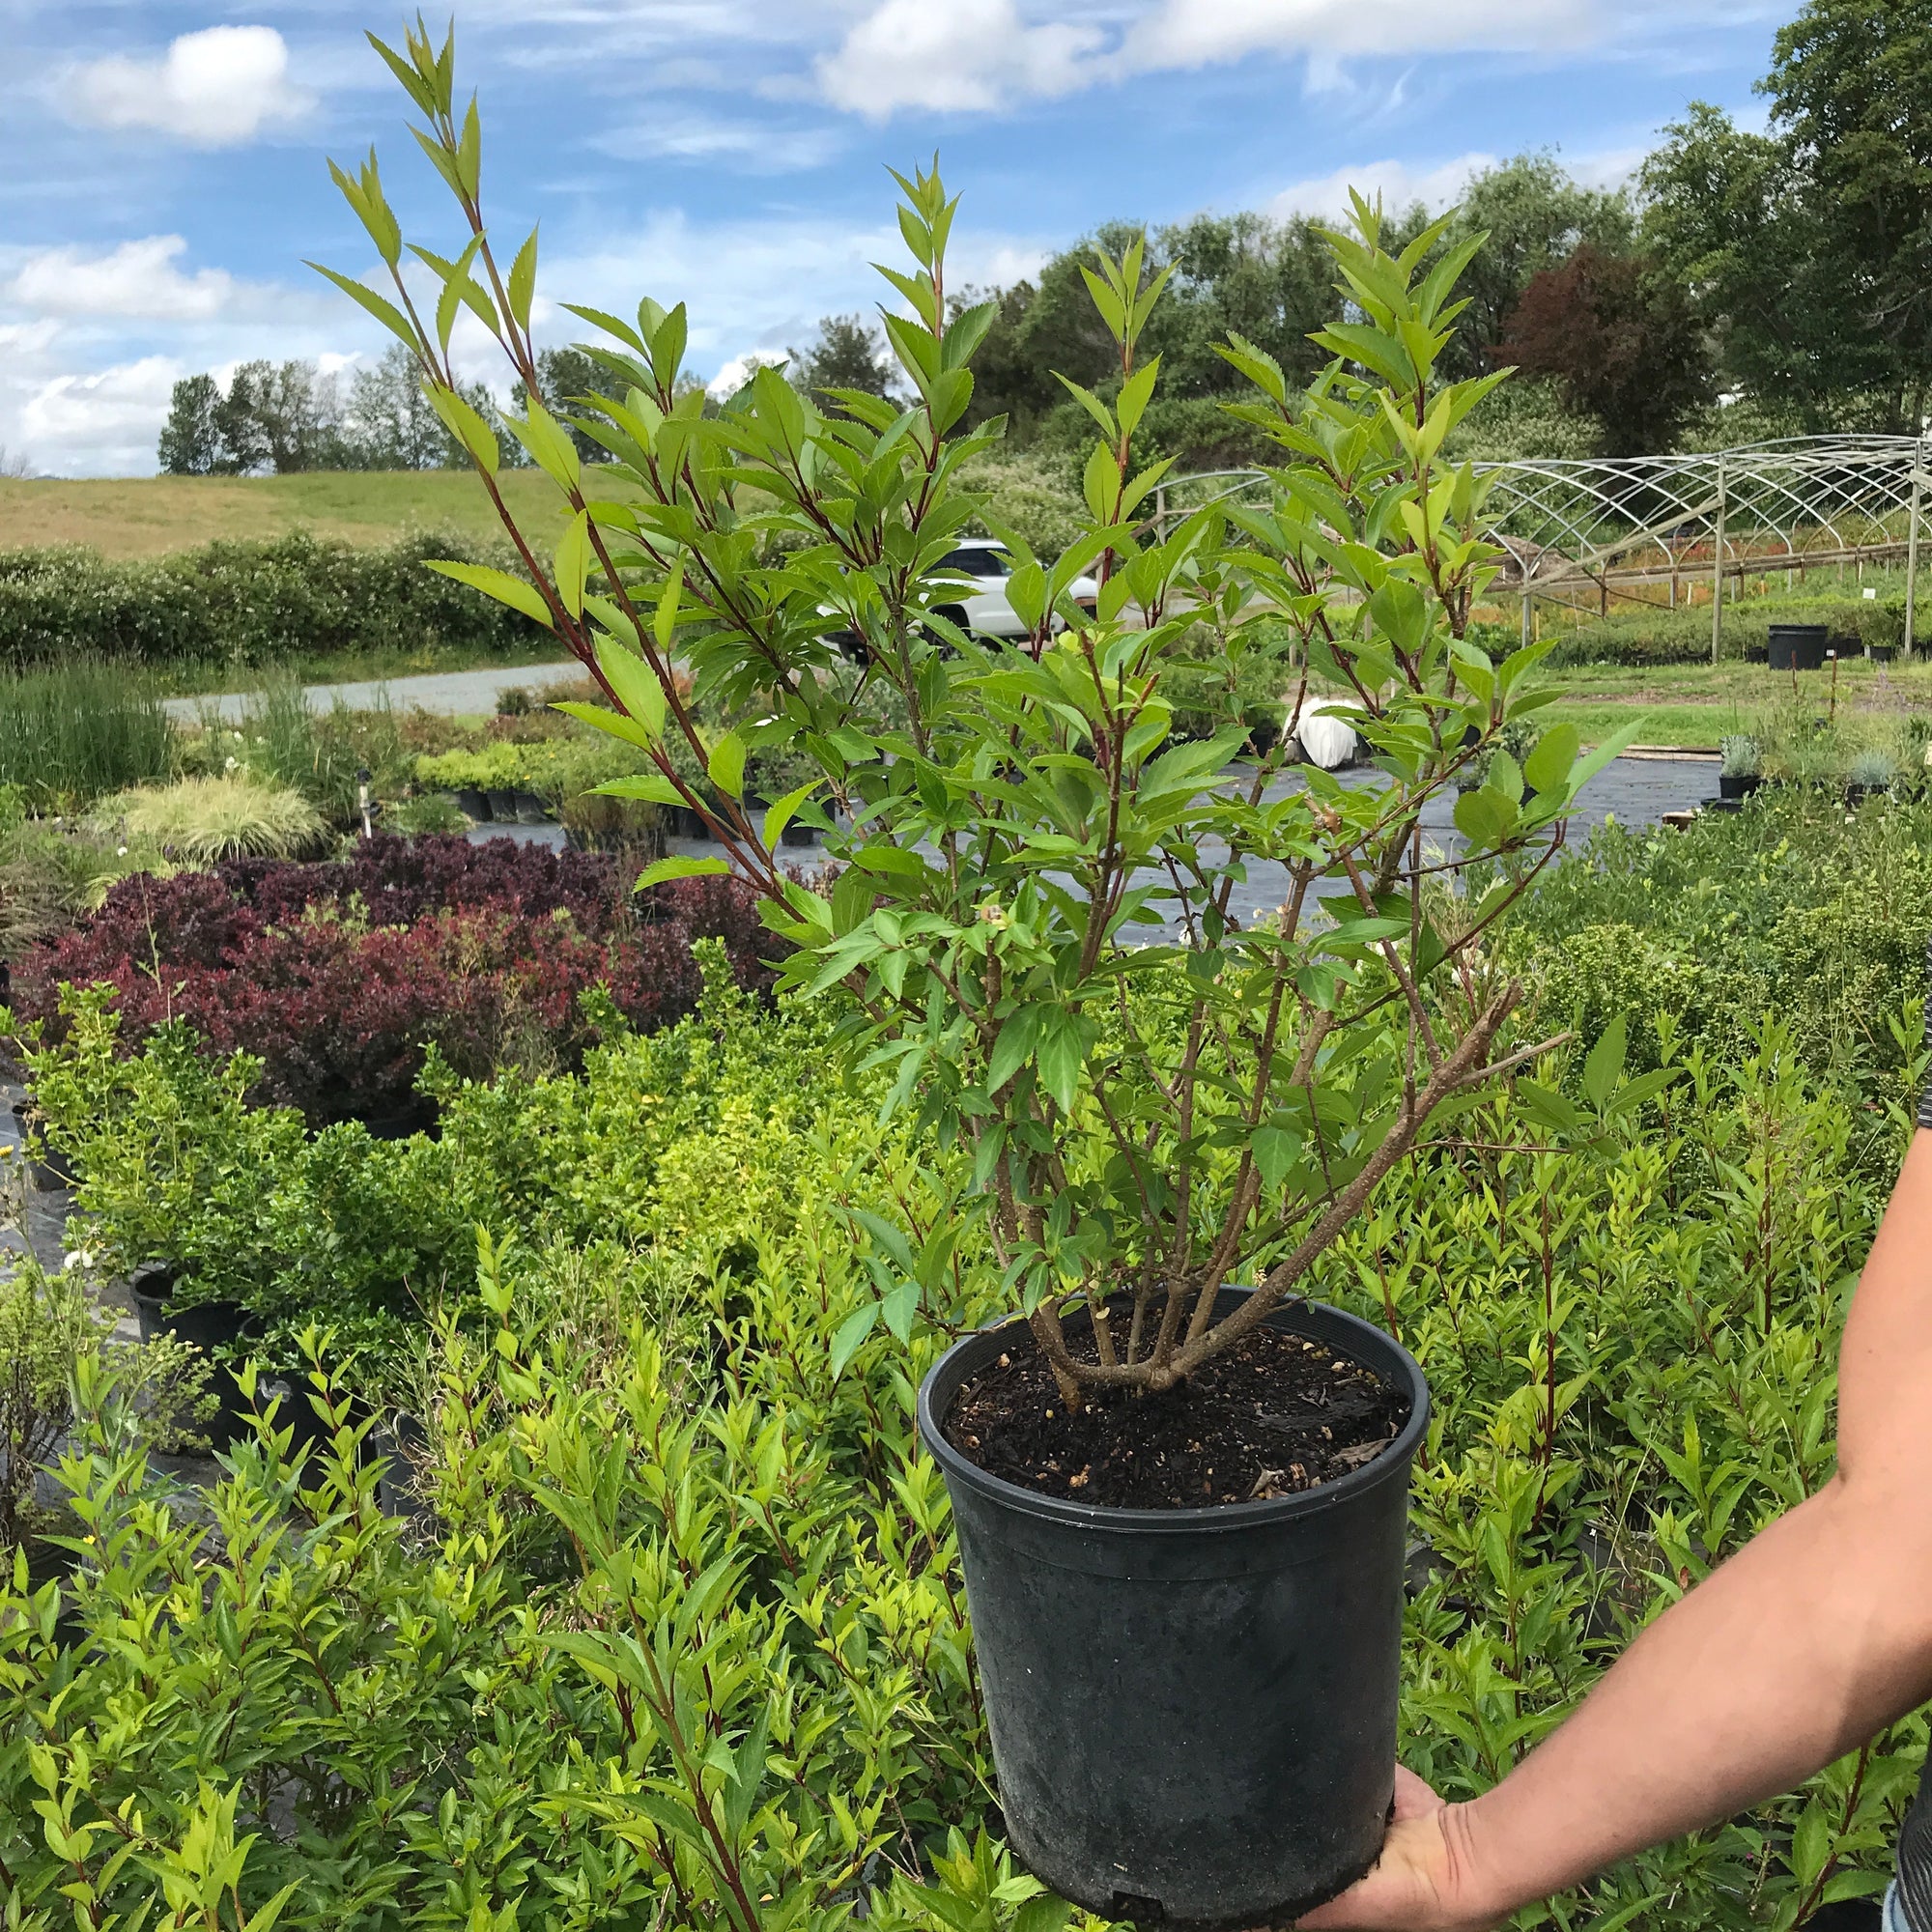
(340, 976)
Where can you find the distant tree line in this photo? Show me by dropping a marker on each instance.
(280, 418)
(1786, 275)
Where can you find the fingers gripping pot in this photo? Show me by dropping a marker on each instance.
(1193, 1710)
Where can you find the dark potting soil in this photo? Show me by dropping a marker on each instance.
(1273, 1415)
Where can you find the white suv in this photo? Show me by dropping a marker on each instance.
(985, 608)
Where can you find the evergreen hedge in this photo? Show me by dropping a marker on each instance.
(252, 601)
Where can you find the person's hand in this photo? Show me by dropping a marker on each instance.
(1422, 1882)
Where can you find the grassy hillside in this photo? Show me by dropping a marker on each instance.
(147, 516)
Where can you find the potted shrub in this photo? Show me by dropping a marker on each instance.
(1870, 774)
(1156, 1122)
(1742, 771)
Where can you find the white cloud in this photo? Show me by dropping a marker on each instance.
(137, 279)
(953, 54)
(688, 134)
(1399, 183)
(103, 424)
(214, 88)
(984, 55)
(1193, 32)
(737, 372)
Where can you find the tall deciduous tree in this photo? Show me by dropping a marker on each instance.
(191, 437)
(1535, 216)
(847, 354)
(1810, 247)
(1623, 341)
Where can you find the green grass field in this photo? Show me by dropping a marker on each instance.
(146, 516)
(1695, 705)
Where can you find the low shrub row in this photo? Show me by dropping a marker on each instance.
(1663, 637)
(254, 603)
(340, 978)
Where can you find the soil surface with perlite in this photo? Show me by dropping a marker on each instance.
(1272, 1416)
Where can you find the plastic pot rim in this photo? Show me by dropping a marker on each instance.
(1392, 1464)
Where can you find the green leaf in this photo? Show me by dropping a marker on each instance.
(1135, 393)
(468, 428)
(1613, 747)
(1604, 1066)
(663, 624)
(680, 869)
(1046, 1914)
(852, 1331)
(647, 787)
(635, 685)
(600, 718)
(1014, 1046)
(572, 562)
(783, 810)
(1547, 1107)
(386, 312)
(1275, 1151)
(523, 280)
(1547, 769)
(1063, 1051)
(726, 766)
(550, 448)
(901, 1307)
(501, 585)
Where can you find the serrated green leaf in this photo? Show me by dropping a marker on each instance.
(635, 684)
(656, 873)
(726, 766)
(572, 562)
(500, 584)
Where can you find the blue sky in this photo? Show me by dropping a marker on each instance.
(165, 172)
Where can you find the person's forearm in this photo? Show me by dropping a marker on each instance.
(1792, 1654)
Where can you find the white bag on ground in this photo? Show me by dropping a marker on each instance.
(1326, 738)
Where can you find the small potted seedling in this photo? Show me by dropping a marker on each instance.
(1180, 1486)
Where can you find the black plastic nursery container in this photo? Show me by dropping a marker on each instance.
(209, 1325)
(1193, 1712)
(1798, 646)
(1738, 785)
(473, 802)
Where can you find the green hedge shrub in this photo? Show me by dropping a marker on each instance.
(1795, 907)
(1683, 636)
(252, 602)
(689, 1628)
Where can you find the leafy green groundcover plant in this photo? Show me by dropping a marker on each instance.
(1138, 1115)
(690, 1149)
(1794, 906)
(688, 1645)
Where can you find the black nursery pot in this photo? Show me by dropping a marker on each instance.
(209, 1325)
(1193, 1712)
(1798, 646)
(473, 802)
(1736, 787)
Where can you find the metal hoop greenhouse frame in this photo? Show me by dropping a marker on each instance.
(1644, 529)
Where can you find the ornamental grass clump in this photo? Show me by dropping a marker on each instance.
(1031, 927)
(234, 815)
